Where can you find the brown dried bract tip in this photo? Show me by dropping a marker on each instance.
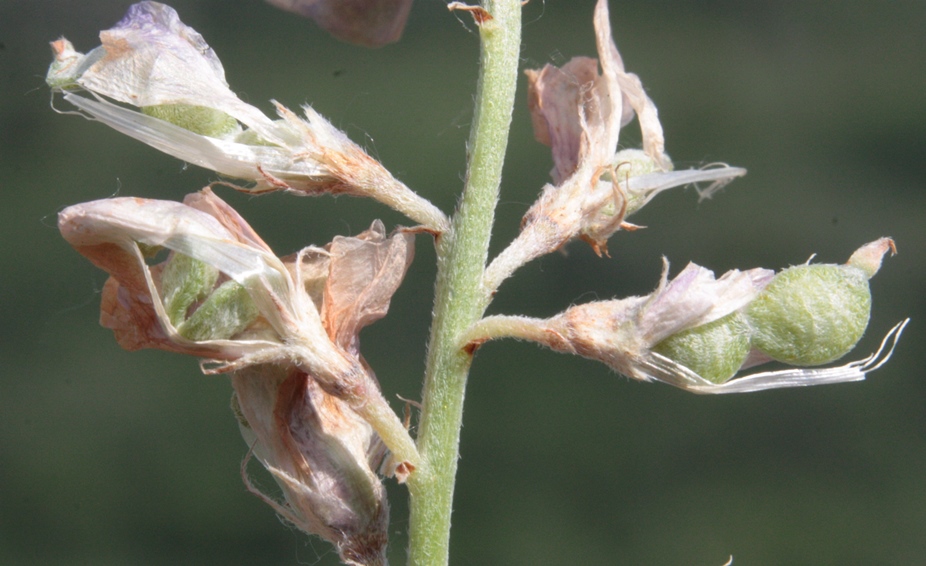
(403, 470)
(480, 15)
(471, 347)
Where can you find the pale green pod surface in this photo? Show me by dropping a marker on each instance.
(715, 350)
(185, 281)
(250, 137)
(227, 311)
(811, 314)
(197, 119)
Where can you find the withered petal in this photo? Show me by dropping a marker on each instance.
(364, 273)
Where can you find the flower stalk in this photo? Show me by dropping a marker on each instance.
(460, 297)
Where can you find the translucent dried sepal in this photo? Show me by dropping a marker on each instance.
(641, 189)
(364, 272)
(223, 156)
(694, 297)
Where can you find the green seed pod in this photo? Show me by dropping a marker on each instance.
(197, 119)
(715, 350)
(811, 314)
(250, 137)
(185, 281)
(227, 311)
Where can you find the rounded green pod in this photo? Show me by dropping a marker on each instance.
(715, 350)
(811, 314)
(197, 119)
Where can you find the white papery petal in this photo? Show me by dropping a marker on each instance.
(238, 160)
(645, 187)
(660, 368)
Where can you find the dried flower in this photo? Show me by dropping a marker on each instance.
(579, 113)
(289, 329)
(151, 60)
(321, 453)
(371, 23)
(147, 307)
(622, 333)
(696, 332)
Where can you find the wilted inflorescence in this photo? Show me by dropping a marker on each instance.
(194, 278)
(288, 327)
(152, 61)
(697, 332)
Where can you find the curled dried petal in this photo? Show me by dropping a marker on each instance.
(364, 273)
(110, 232)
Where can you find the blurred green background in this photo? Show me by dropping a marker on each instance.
(108, 457)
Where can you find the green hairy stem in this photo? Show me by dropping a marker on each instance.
(460, 298)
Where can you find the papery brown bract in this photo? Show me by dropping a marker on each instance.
(371, 23)
(365, 272)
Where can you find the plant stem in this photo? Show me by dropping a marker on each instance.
(460, 297)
